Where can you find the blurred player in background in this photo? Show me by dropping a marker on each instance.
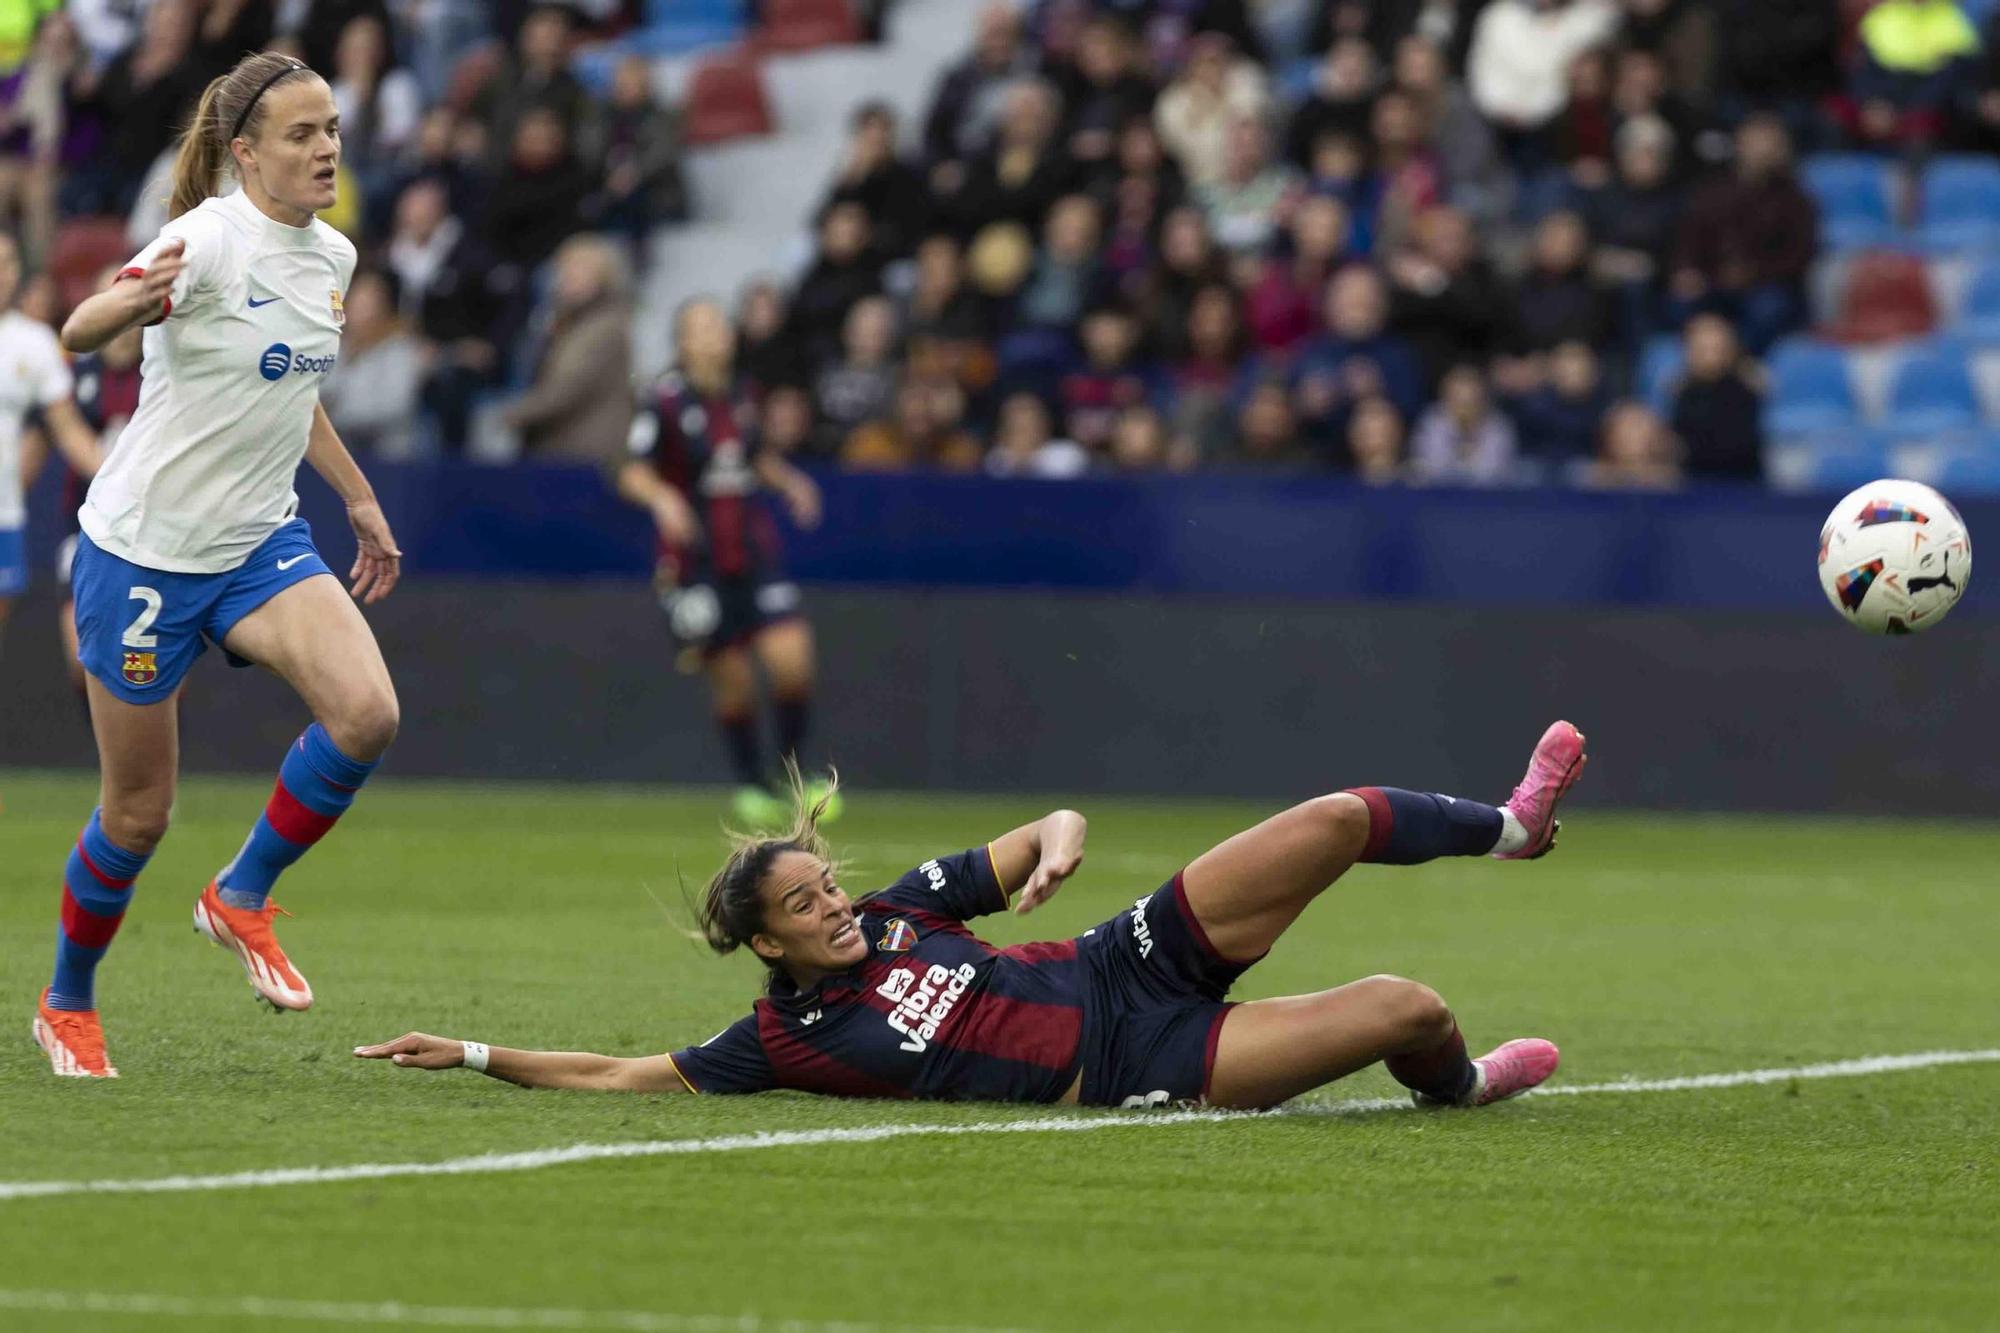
(698, 467)
(895, 997)
(35, 408)
(191, 535)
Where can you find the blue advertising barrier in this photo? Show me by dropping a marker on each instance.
(1224, 535)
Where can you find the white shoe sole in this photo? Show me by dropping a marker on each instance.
(273, 992)
(61, 1063)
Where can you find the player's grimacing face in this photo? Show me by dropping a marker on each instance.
(808, 919)
(297, 147)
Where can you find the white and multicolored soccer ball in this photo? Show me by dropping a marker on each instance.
(1894, 557)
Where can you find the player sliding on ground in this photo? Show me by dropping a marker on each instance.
(894, 997)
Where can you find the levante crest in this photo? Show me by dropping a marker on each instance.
(898, 937)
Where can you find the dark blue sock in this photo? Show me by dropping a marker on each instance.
(1407, 828)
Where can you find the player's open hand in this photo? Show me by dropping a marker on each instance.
(417, 1050)
(378, 561)
(152, 288)
(802, 501)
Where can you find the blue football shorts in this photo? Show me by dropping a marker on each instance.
(13, 562)
(139, 630)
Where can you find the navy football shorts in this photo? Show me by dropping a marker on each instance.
(712, 617)
(1153, 1006)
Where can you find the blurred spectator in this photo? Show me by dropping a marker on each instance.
(1779, 55)
(1446, 300)
(861, 385)
(1718, 409)
(1024, 444)
(1463, 439)
(579, 406)
(380, 105)
(766, 354)
(1407, 164)
(1679, 36)
(1283, 304)
(1139, 442)
(1638, 452)
(1247, 203)
(1384, 23)
(888, 189)
(1343, 95)
(1267, 430)
(1355, 358)
(924, 431)
(1640, 91)
(1110, 380)
(785, 423)
(1915, 61)
(1064, 282)
(538, 198)
(462, 300)
(1341, 170)
(316, 26)
(1518, 66)
(1558, 300)
(1635, 219)
(1561, 418)
(371, 396)
(1203, 380)
(1748, 238)
(640, 182)
(1580, 136)
(1375, 443)
(846, 269)
(31, 130)
(1188, 262)
(966, 110)
(143, 97)
(1105, 89)
(536, 77)
(1216, 89)
(1020, 174)
(1475, 177)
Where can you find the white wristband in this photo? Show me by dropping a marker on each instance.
(475, 1055)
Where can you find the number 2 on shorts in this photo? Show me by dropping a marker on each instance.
(138, 634)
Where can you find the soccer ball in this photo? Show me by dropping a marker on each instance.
(1894, 557)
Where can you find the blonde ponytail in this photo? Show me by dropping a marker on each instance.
(231, 106)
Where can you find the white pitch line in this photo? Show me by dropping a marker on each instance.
(537, 1159)
(147, 1305)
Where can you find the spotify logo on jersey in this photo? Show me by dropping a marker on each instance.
(278, 359)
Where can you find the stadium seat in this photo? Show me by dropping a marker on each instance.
(1887, 296)
(1931, 393)
(1660, 364)
(1852, 191)
(1961, 204)
(1979, 313)
(1843, 472)
(726, 100)
(1810, 390)
(84, 248)
(802, 25)
(1971, 474)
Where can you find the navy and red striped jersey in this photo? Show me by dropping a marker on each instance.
(933, 1011)
(105, 395)
(703, 445)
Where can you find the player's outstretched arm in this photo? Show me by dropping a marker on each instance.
(134, 300)
(531, 1069)
(1036, 858)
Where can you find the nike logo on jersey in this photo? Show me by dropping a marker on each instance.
(256, 304)
(287, 564)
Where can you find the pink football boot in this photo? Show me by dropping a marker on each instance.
(1556, 763)
(1513, 1067)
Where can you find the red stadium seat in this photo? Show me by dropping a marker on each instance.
(726, 100)
(801, 25)
(85, 247)
(1888, 296)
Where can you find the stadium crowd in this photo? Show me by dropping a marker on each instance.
(1430, 240)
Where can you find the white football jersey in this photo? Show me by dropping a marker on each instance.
(203, 474)
(33, 374)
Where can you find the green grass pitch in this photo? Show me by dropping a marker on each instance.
(1647, 946)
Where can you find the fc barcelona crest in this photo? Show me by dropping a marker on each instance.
(339, 310)
(141, 668)
(898, 937)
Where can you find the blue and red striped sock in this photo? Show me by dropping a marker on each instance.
(97, 887)
(316, 784)
(1407, 828)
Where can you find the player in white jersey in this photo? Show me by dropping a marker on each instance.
(190, 534)
(34, 390)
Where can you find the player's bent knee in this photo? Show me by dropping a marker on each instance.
(1345, 816)
(1416, 1013)
(135, 826)
(366, 729)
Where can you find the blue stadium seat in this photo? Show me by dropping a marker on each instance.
(1845, 471)
(1970, 474)
(1961, 204)
(1660, 364)
(1810, 390)
(1932, 394)
(1852, 190)
(670, 13)
(1979, 313)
